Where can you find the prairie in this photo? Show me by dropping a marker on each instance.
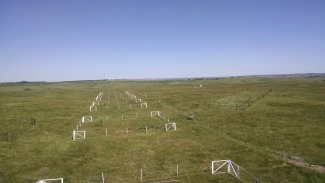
(273, 128)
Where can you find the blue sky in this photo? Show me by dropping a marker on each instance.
(56, 40)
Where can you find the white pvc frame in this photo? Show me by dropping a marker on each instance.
(78, 134)
(93, 108)
(46, 180)
(99, 97)
(225, 166)
(86, 119)
(170, 126)
(144, 104)
(138, 100)
(155, 113)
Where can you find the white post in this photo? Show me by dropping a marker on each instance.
(146, 129)
(106, 131)
(238, 172)
(177, 170)
(228, 169)
(74, 135)
(141, 176)
(212, 167)
(103, 177)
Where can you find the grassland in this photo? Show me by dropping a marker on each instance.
(272, 127)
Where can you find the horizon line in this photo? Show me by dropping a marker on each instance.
(172, 78)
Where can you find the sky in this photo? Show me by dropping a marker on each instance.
(60, 40)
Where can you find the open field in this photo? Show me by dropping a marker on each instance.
(272, 127)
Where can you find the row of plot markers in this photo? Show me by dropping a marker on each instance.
(137, 100)
(168, 126)
(93, 106)
(81, 134)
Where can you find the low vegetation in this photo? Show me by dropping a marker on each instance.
(272, 127)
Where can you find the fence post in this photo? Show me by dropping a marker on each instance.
(103, 177)
(74, 135)
(141, 175)
(106, 131)
(146, 129)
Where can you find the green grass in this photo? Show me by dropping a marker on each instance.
(259, 123)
